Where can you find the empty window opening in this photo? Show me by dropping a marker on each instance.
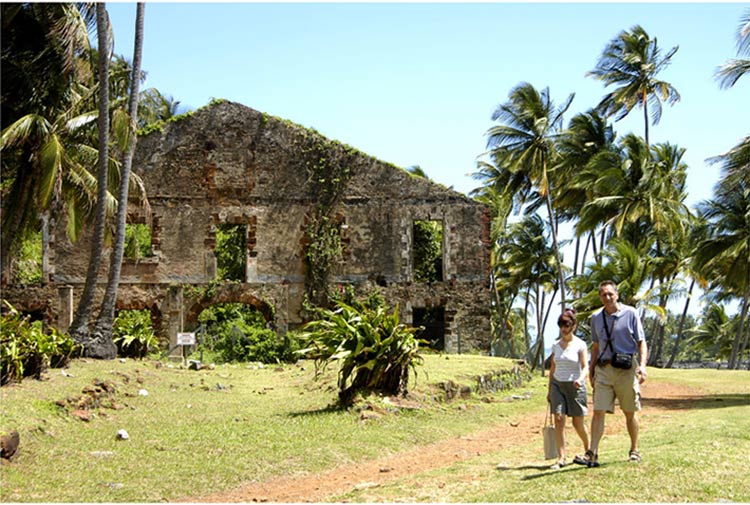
(231, 252)
(428, 251)
(433, 320)
(137, 241)
(236, 332)
(26, 264)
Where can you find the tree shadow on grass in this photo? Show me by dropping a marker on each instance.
(699, 402)
(330, 409)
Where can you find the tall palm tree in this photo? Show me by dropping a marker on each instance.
(631, 61)
(668, 226)
(698, 232)
(724, 256)
(107, 312)
(736, 162)
(587, 137)
(525, 142)
(636, 195)
(529, 262)
(42, 109)
(94, 346)
(493, 193)
(731, 71)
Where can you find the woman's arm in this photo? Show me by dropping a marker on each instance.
(551, 373)
(583, 360)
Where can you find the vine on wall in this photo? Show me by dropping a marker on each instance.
(327, 169)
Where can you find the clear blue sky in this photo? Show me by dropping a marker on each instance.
(416, 84)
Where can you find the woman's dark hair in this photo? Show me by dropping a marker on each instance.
(568, 314)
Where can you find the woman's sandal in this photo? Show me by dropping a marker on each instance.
(560, 463)
(634, 456)
(578, 460)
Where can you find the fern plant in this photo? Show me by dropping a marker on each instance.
(375, 350)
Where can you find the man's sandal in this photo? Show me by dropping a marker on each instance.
(594, 461)
(578, 460)
(634, 457)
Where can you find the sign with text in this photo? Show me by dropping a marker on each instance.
(186, 338)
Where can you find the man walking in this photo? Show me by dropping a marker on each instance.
(618, 367)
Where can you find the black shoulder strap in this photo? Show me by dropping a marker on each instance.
(609, 336)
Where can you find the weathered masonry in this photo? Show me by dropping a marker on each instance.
(227, 164)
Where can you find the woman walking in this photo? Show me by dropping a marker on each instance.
(567, 385)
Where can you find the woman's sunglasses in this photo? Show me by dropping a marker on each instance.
(564, 324)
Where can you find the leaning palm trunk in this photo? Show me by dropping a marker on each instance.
(558, 261)
(107, 312)
(79, 330)
(681, 326)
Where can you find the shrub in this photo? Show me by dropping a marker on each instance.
(376, 352)
(240, 334)
(26, 349)
(133, 335)
(137, 241)
(28, 262)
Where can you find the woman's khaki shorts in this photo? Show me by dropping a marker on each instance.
(611, 383)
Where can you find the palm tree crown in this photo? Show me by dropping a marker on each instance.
(631, 62)
(730, 72)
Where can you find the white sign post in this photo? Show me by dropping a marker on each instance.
(187, 338)
(184, 339)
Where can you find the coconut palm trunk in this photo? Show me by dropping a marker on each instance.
(681, 326)
(556, 247)
(107, 312)
(79, 330)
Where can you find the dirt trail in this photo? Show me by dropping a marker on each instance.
(657, 397)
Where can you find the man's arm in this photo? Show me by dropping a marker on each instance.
(594, 358)
(643, 355)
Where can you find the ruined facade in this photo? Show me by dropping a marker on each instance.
(229, 164)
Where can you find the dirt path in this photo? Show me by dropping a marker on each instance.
(658, 397)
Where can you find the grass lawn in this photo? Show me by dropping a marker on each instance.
(199, 432)
(695, 453)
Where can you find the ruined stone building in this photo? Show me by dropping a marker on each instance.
(227, 164)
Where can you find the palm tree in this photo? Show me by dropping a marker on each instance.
(631, 61)
(529, 263)
(667, 227)
(154, 107)
(730, 72)
(698, 232)
(94, 345)
(637, 195)
(630, 267)
(107, 312)
(714, 334)
(724, 256)
(524, 142)
(503, 272)
(44, 64)
(587, 137)
(43, 51)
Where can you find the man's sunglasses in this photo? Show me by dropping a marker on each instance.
(564, 324)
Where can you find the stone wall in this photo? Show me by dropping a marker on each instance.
(229, 164)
